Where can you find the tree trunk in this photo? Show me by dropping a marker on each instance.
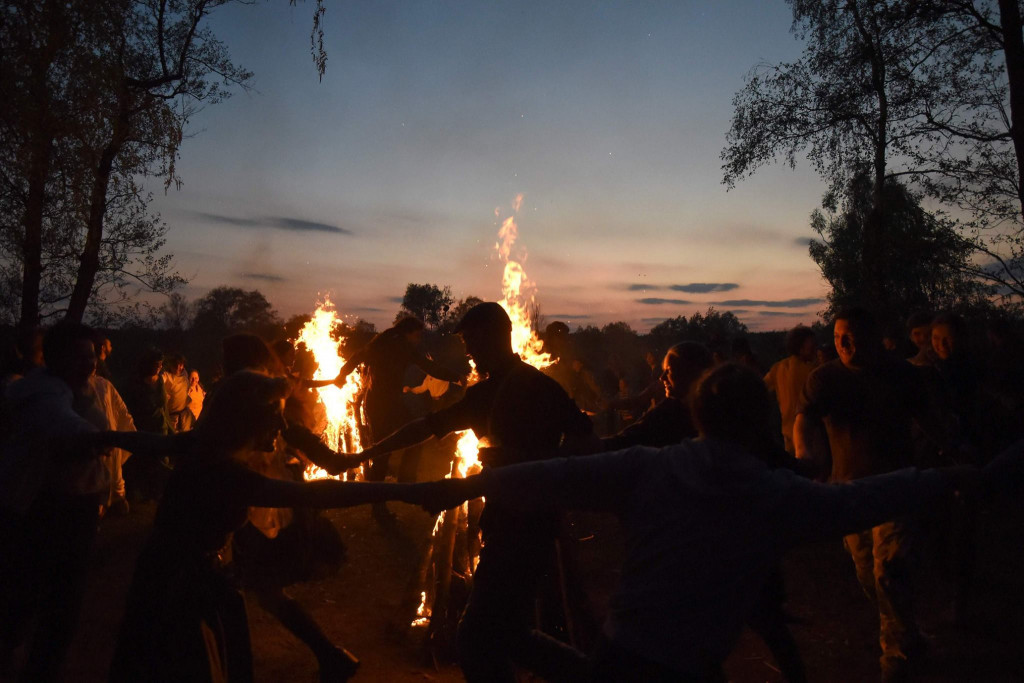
(32, 244)
(1013, 49)
(41, 154)
(873, 289)
(89, 261)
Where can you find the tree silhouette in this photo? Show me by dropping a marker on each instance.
(99, 94)
(925, 261)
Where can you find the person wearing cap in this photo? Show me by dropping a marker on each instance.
(526, 413)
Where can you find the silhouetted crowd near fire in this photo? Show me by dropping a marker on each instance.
(892, 440)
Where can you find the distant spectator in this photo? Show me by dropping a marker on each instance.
(744, 355)
(144, 396)
(919, 329)
(196, 395)
(103, 350)
(786, 379)
(176, 392)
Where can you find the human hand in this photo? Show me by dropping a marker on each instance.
(444, 494)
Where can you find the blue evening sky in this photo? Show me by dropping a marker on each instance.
(609, 117)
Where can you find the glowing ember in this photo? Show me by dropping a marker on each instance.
(340, 404)
(422, 612)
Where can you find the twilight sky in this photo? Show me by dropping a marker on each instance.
(608, 116)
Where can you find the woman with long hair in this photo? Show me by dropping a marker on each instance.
(184, 619)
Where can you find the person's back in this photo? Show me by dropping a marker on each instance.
(675, 599)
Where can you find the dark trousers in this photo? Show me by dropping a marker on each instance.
(44, 557)
(495, 634)
(613, 664)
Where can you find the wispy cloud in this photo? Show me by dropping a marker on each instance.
(567, 316)
(779, 313)
(265, 277)
(787, 303)
(274, 222)
(642, 287)
(655, 301)
(803, 241)
(704, 287)
(396, 299)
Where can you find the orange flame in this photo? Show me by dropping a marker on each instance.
(341, 405)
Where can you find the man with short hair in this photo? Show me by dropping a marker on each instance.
(518, 407)
(866, 401)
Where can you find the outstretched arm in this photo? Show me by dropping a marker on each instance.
(357, 358)
(266, 492)
(413, 433)
(435, 369)
(319, 453)
(140, 442)
(810, 511)
(591, 482)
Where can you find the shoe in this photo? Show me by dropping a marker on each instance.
(119, 507)
(338, 667)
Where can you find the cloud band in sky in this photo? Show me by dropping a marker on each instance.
(275, 222)
(787, 303)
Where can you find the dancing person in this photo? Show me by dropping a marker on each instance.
(669, 421)
(786, 378)
(704, 520)
(184, 621)
(51, 489)
(517, 406)
(386, 358)
(867, 401)
(104, 397)
(278, 546)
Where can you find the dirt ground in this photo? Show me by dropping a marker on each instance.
(837, 630)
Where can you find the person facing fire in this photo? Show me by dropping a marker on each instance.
(704, 522)
(518, 407)
(668, 422)
(386, 358)
(867, 402)
(184, 620)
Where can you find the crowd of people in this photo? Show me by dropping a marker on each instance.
(714, 468)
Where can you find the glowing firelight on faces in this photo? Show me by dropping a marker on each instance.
(340, 404)
(518, 298)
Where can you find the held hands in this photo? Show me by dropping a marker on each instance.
(445, 494)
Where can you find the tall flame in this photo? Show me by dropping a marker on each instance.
(517, 299)
(518, 292)
(341, 404)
